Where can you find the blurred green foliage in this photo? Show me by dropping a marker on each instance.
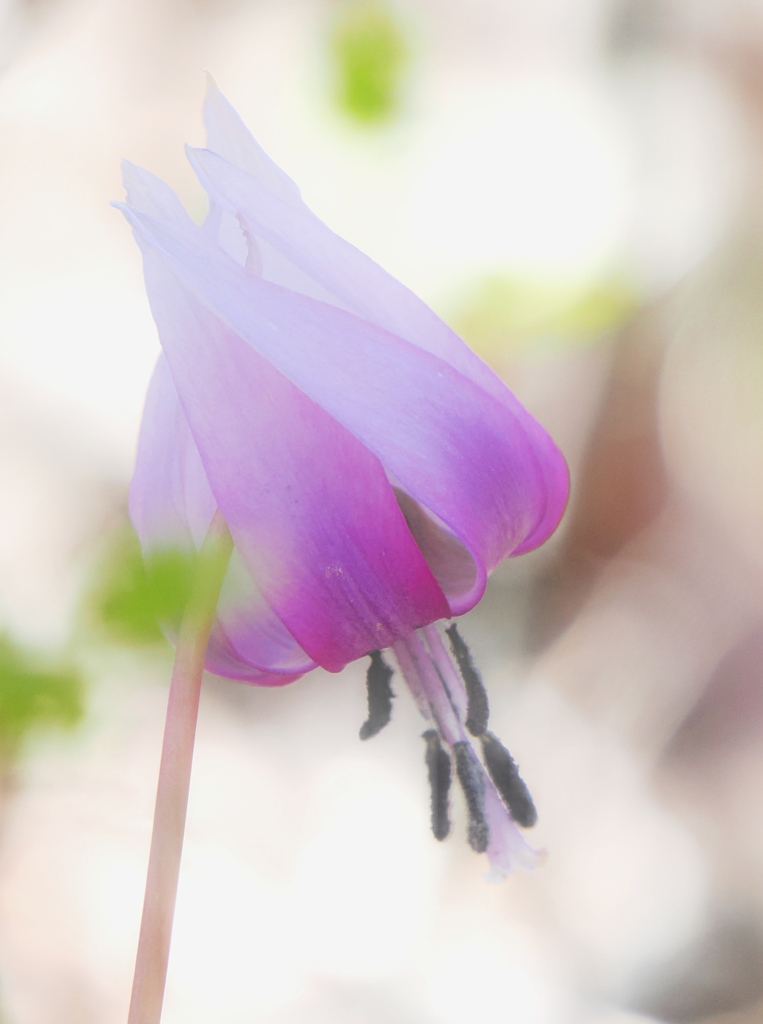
(504, 314)
(32, 695)
(369, 56)
(132, 596)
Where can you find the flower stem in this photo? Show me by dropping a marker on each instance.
(175, 777)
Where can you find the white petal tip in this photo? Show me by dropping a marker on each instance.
(212, 85)
(504, 862)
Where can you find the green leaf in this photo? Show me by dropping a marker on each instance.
(32, 695)
(369, 57)
(132, 598)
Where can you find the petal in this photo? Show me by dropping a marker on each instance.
(310, 509)
(223, 660)
(463, 455)
(310, 253)
(171, 506)
(147, 192)
(248, 641)
(228, 135)
(351, 277)
(300, 252)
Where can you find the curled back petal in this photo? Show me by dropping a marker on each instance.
(310, 509)
(453, 447)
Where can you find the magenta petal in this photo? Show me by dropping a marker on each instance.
(310, 509)
(171, 506)
(463, 455)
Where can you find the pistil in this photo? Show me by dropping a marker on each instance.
(454, 702)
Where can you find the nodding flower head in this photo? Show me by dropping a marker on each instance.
(372, 470)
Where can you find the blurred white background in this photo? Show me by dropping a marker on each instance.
(573, 184)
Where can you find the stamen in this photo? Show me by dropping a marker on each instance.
(473, 785)
(504, 772)
(380, 696)
(478, 709)
(438, 767)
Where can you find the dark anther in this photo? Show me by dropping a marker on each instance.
(473, 785)
(379, 696)
(438, 767)
(478, 709)
(503, 770)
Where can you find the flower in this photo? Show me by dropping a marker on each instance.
(372, 470)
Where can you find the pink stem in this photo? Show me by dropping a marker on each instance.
(174, 778)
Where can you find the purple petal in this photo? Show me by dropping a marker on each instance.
(463, 455)
(310, 509)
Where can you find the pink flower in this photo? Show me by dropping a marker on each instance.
(371, 469)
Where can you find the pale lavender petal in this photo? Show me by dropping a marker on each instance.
(148, 193)
(310, 509)
(171, 504)
(228, 135)
(454, 448)
(225, 229)
(356, 281)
